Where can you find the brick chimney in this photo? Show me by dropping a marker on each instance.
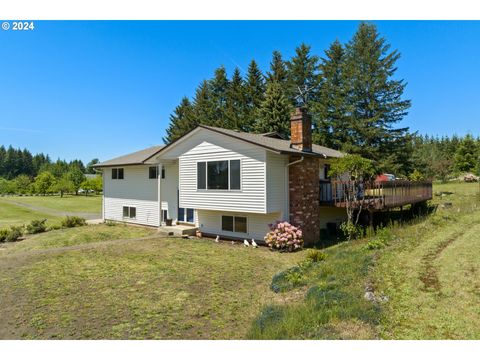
(301, 130)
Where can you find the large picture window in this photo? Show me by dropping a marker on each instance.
(218, 175)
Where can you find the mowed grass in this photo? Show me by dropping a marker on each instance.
(69, 203)
(85, 235)
(11, 214)
(157, 288)
(431, 273)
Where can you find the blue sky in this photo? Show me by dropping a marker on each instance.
(85, 89)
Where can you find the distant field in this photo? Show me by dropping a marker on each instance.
(15, 210)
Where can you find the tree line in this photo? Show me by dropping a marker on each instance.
(350, 91)
(24, 173)
(353, 96)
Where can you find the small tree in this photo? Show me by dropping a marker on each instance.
(64, 185)
(77, 177)
(44, 182)
(358, 170)
(22, 183)
(94, 184)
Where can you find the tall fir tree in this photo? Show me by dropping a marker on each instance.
(374, 99)
(278, 69)
(466, 155)
(236, 101)
(254, 95)
(181, 121)
(203, 105)
(273, 114)
(219, 86)
(303, 77)
(330, 124)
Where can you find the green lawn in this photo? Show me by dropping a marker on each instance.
(104, 282)
(18, 210)
(431, 273)
(157, 288)
(426, 282)
(69, 203)
(11, 214)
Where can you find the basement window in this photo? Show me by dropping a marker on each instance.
(117, 173)
(129, 212)
(234, 224)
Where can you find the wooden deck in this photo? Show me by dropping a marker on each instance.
(375, 195)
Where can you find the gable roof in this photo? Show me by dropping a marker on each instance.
(135, 158)
(270, 141)
(274, 143)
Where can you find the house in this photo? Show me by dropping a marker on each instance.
(229, 183)
(224, 182)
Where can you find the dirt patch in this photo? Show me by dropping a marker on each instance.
(429, 276)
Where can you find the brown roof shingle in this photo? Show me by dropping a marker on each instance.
(136, 158)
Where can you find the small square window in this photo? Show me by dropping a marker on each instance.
(133, 213)
(114, 173)
(125, 211)
(120, 173)
(129, 212)
(152, 172)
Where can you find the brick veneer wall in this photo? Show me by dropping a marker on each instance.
(304, 197)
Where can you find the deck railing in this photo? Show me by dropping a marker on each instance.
(378, 194)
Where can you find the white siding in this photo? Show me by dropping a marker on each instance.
(206, 145)
(168, 190)
(257, 224)
(277, 187)
(136, 190)
(146, 211)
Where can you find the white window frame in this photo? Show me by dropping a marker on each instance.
(234, 229)
(206, 175)
(129, 207)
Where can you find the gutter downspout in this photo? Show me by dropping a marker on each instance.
(287, 185)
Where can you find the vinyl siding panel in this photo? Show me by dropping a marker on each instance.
(146, 211)
(168, 190)
(207, 146)
(276, 183)
(136, 190)
(257, 224)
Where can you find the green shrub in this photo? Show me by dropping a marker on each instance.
(350, 230)
(54, 227)
(73, 221)
(315, 255)
(37, 226)
(3, 234)
(14, 233)
(382, 238)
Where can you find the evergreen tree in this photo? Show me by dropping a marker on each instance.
(466, 155)
(330, 117)
(254, 95)
(203, 105)
(274, 112)
(219, 89)
(181, 121)
(374, 99)
(278, 69)
(236, 101)
(303, 77)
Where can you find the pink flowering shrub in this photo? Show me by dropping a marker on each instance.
(284, 236)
